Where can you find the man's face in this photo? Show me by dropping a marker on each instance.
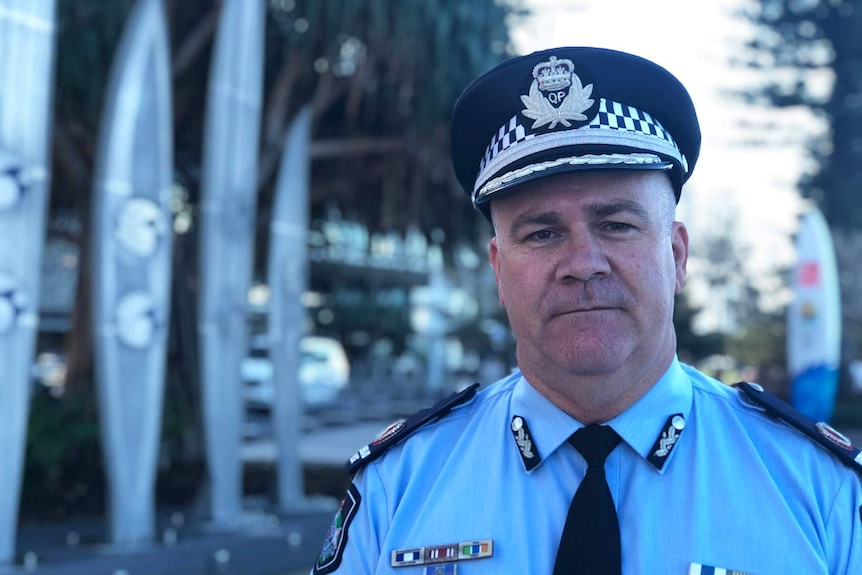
(587, 265)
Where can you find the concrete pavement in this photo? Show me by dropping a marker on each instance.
(330, 445)
(333, 445)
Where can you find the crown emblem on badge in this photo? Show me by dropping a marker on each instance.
(559, 106)
(554, 74)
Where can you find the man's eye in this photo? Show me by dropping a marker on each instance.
(617, 226)
(541, 235)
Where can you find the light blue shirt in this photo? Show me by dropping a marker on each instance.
(734, 489)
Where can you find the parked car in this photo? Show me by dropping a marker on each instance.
(324, 371)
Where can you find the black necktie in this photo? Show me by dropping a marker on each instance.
(590, 544)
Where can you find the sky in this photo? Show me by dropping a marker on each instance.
(745, 189)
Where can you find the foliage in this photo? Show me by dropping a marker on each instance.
(693, 347)
(93, 28)
(63, 466)
(381, 76)
(63, 472)
(812, 53)
(762, 344)
(807, 46)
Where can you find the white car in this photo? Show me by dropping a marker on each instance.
(324, 372)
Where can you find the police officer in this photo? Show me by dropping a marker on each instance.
(602, 453)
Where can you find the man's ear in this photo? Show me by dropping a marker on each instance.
(494, 260)
(679, 244)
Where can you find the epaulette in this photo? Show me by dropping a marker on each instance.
(822, 433)
(399, 431)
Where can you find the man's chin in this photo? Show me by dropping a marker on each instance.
(583, 361)
(592, 331)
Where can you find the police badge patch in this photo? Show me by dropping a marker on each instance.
(557, 96)
(336, 538)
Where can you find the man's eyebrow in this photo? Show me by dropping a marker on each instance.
(603, 210)
(596, 210)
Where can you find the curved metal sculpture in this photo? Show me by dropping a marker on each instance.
(288, 279)
(132, 239)
(26, 81)
(228, 203)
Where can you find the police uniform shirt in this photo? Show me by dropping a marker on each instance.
(703, 482)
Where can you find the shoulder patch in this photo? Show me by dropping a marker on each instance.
(822, 434)
(403, 429)
(336, 539)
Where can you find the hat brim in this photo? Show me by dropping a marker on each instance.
(536, 170)
(592, 162)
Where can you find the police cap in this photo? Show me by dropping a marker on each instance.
(567, 109)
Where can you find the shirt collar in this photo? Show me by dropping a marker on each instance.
(548, 425)
(641, 425)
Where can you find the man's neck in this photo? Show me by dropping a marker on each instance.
(596, 398)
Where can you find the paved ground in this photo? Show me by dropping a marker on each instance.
(264, 544)
(332, 445)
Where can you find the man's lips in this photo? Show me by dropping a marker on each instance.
(584, 310)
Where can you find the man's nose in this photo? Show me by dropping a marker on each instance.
(583, 259)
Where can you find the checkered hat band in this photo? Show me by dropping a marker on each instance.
(510, 134)
(616, 116)
(614, 124)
